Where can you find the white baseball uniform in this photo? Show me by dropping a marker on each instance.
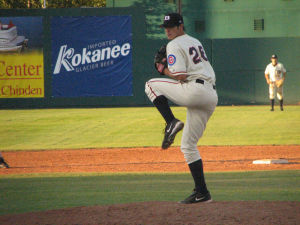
(275, 73)
(186, 56)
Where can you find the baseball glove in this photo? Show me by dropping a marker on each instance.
(160, 60)
(279, 83)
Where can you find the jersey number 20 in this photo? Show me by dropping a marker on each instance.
(197, 55)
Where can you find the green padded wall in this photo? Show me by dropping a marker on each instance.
(235, 19)
(238, 54)
(240, 64)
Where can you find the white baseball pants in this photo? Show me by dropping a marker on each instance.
(200, 100)
(273, 88)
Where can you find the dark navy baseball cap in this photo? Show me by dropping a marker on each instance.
(274, 56)
(172, 20)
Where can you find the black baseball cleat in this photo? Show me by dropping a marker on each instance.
(3, 163)
(197, 197)
(170, 132)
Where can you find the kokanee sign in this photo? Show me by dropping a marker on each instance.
(69, 60)
(91, 56)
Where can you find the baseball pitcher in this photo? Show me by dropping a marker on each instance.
(192, 85)
(275, 74)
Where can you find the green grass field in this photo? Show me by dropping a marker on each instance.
(40, 192)
(136, 127)
(131, 127)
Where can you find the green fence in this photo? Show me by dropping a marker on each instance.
(240, 64)
(239, 61)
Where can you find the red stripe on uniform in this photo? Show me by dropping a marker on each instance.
(181, 72)
(163, 81)
(151, 90)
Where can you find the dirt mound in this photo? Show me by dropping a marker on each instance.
(164, 213)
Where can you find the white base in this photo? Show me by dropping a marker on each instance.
(271, 161)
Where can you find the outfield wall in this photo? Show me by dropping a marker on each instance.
(239, 63)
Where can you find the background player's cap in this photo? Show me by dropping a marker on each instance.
(172, 20)
(274, 56)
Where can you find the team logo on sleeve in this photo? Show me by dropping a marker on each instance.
(171, 60)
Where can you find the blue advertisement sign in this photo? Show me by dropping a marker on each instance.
(91, 56)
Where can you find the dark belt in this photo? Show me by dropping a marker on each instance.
(202, 82)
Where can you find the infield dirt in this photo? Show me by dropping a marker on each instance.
(216, 158)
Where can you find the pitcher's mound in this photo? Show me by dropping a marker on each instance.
(167, 213)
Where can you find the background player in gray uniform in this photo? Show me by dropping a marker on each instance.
(275, 75)
(193, 86)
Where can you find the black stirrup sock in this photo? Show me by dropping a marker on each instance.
(272, 103)
(281, 103)
(196, 169)
(161, 103)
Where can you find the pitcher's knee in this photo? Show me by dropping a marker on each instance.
(190, 155)
(151, 91)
